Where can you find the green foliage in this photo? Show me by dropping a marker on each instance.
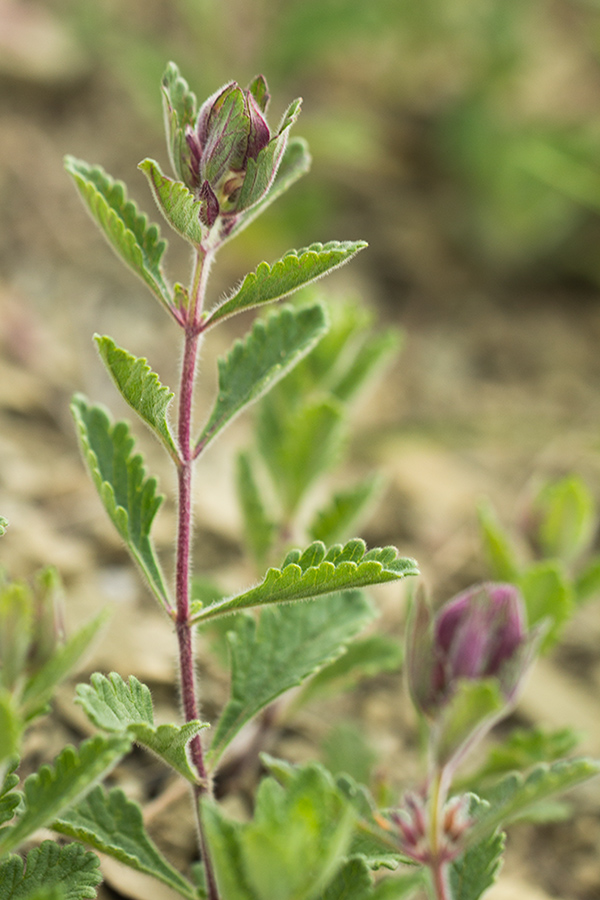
(315, 571)
(473, 704)
(259, 529)
(336, 520)
(273, 347)
(478, 868)
(9, 797)
(112, 824)
(181, 209)
(522, 749)
(500, 553)
(129, 498)
(138, 243)
(295, 270)
(53, 789)
(140, 387)
(292, 847)
(3, 525)
(121, 708)
(180, 112)
(50, 872)
(516, 794)
(548, 596)
(287, 646)
(346, 749)
(567, 517)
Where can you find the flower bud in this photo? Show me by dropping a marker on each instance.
(479, 634)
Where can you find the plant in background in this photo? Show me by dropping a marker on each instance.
(312, 835)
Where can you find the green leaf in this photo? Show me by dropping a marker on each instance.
(177, 203)
(71, 870)
(516, 794)
(140, 388)
(318, 571)
(293, 845)
(523, 748)
(472, 705)
(16, 631)
(112, 824)
(9, 797)
(259, 529)
(39, 689)
(295, 162)
(477, 869)
(338, 518)
(364, 658)
(299, 445)
(273, 347)
(3, 525)
(568, 518)
(295, 270)
(548, 596)
(260, 171)
(113, 705)
(347, 750)
(351, 882)
(180, 111)
(129, 497)
(373, 353)
(587, 584)
(287, 646)
(53, 789)
(138, 243)
(11, 727)
(499, 551)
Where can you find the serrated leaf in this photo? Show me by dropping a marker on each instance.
(499, 551)
(181, 209)
(477, 869)
(40, 687)
(129, 497)
(338, 518)
(128, 232)
(54, 788)
(516, 794)
(523, 748)
(318, 571)
(299, 446)
(9, 797)
(295, 270)
(140, 387)
(179, 111)
(287, 646)
(112, 824)
(273, 347)
(548, 596)
(259, 528)
(117, 706)
(293, 845)
(71, 869)
(295, 162)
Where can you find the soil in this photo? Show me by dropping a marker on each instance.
(496, 390)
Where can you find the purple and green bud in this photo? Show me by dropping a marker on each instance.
(479, 634)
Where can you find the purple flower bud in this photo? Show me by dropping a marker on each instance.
(479, 634)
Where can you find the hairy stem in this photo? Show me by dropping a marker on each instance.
(187, 664)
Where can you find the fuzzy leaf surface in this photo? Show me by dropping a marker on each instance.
(316, 571)
(516, 794)
(352, 882)
(129, 497)
(179, 104)
(524, 748)
(273, 347)
(478, 868)
(338, 518)
(287, 646)
(40, 687)
(120, 707)
(140, 387)
(54, 788)
(292, 847)
(71, 869)
(176, 202)
(9, 797)
(295, 270)
(112, 824)
(136, 241)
